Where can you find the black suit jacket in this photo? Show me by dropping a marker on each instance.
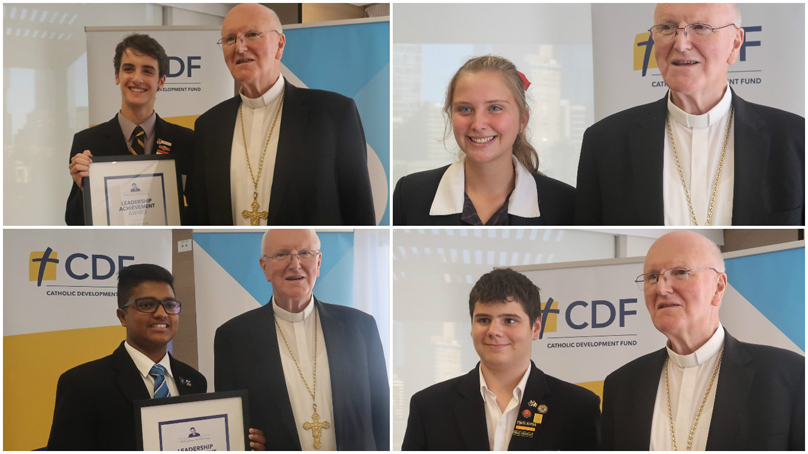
(413, 196)
(759, 401)
(450, 416)
(247, 357)
(95, 403)
(107, 139)
(321, 173)
(620, 169)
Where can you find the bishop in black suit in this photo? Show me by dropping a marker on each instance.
(752, 397)
(627, 172)
(316, 159)
(249, 354)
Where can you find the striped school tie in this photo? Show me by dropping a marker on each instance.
(138, 141)
(160, 386)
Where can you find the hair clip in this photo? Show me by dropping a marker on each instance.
(524, 80)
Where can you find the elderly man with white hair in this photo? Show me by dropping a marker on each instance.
(276, 154)
(705, 390)
(701, 155)
(315, 371)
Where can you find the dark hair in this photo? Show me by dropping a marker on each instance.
(506, 285)
(134, 275)
(522, 149)
(142, 45)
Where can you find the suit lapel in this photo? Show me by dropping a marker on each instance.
(271, 368)
(470, 413)
(635, 423)
(646, 148)
(115, 142)
(533, 402)
(217, 163)
(731, 394)
(338, 360)
(290, 142)
(129, 379)
(181, 373)
(751, 157)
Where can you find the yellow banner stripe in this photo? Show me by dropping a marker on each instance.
(532, 429)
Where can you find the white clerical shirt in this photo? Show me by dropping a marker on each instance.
(299, 331)
(257, 116)
(688, 378)
(699, 141)
(500, 424)
(144, 365)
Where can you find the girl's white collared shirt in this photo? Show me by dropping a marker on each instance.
(524, 200)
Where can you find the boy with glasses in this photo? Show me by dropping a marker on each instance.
(95, 401)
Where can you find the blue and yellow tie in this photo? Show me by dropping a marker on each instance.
(160, 386)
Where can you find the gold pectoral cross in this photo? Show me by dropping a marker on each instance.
(316, 426)
(254, 214)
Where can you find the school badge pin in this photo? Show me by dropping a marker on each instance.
(526, 413)
(542, 409)
(532, 403)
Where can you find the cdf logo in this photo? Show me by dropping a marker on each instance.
(601, 314)
(78, 266)
(42, 266)
(644, 45)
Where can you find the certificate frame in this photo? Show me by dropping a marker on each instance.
(106, 202)
(223, 419)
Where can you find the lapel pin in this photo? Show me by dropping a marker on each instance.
(542, 409)
(526, 413)
(532, 403)
(163, 142)
(537, 418)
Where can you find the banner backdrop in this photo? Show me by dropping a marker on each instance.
(60, 296)
(352, 59)
(197, 78)
(770, 68)
(596, 319)
(230, 281)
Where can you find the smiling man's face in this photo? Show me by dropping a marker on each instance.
(696, 66)
(685, 309)
(292, 279)
(254, 64)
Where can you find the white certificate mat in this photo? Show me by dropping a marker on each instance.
(200, 422)
(133, 190)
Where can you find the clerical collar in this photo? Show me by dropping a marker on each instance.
(293, 317)
(267, 98)
(449, 198)
(700, 356)
(701, 121)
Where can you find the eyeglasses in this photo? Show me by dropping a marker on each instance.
(251, 36)
(149, 305)
(680, 274)
(303, 256)
(666, 32)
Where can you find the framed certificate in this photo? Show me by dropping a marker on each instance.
(132, 190)
(197, 422)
